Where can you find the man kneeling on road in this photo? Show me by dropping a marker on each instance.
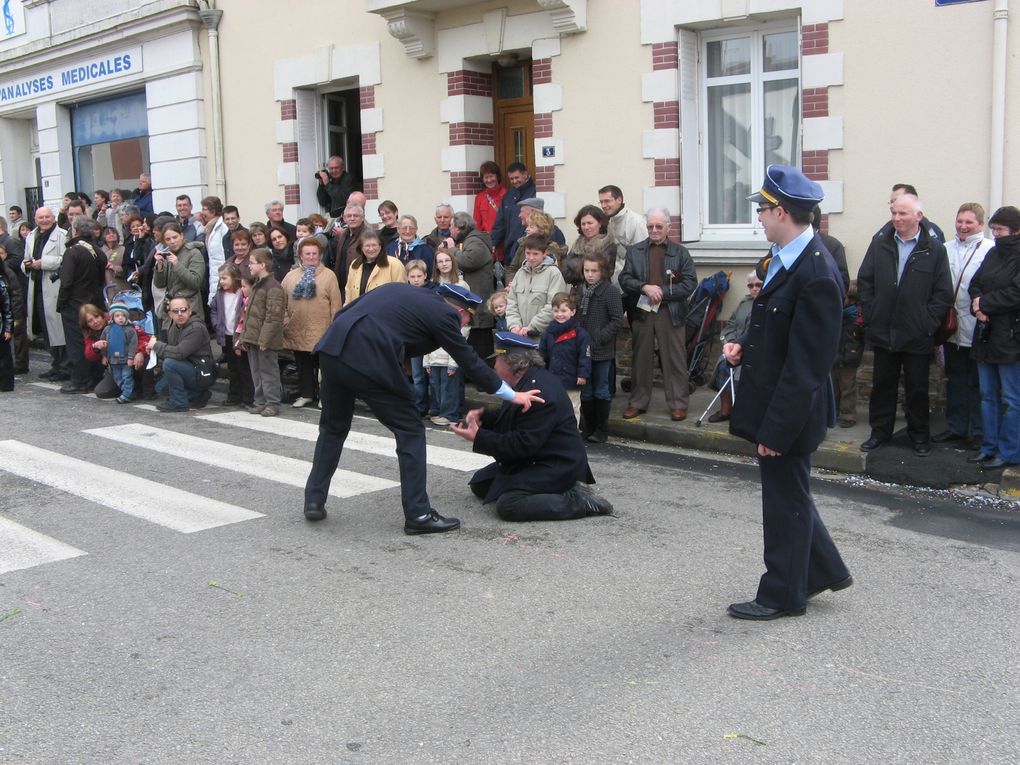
(187, 340)
(541, 465)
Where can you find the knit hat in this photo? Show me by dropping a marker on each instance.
(1007, 216)
(122, 307)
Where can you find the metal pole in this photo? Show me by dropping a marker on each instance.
(211, 18)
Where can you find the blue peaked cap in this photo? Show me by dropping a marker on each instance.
(462, 296)
(786, 186)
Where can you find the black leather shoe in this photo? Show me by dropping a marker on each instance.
(980, 458)
(946, 436)
(583, 498)
(433, 523)
(166, 406)
(842, 584)
(755, 611)
(922, 448)
(872, 443)
(993, 464)
(72, 388)
(314, 511)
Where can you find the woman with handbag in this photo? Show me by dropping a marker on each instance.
(966, 253)
(995, 302)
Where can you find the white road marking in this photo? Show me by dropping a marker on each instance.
(439, 456)
(49, 385)
(21, 547)
(119, 490)
(260, 464)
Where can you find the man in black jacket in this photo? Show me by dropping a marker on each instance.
(335, 186)
(541, 463)
(905, 288)
(82, 275)
(508, 227)
(784, 401)
(362, 356)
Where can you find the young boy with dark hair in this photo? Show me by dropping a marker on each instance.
(566, 348)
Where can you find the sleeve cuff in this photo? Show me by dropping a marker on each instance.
(505, 392)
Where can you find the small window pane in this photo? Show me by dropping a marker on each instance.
(510, 82)
(779, 51)
(729, 153)
(729, 57)
(782, 116)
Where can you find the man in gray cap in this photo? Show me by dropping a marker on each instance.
(536, 204)
(541, 464)
(362, 355)
(784, 400)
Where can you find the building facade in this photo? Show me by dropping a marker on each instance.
(681, 103)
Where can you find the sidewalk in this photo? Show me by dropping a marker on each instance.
(895, 462)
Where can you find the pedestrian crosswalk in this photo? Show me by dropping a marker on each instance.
(178, 509)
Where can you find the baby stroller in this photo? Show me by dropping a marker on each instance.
(703, 308)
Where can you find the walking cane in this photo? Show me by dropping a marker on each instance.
(733, 395)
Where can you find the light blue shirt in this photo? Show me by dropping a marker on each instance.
(905, 248)
(786, 256)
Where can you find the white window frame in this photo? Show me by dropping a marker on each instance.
(741, 232)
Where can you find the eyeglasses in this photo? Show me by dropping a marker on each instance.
(754, 285)
(765, 208)
(655, 226)
(178, 310)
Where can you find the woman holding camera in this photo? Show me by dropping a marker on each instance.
(995, 301)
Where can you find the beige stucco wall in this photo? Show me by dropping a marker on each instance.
(916, 108)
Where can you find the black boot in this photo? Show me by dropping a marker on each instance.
(600, 433)
(588, 418)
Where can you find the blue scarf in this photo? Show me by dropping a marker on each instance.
(305, 288)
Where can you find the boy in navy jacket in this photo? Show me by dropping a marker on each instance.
(566, 348)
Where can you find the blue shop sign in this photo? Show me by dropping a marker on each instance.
(81, 73)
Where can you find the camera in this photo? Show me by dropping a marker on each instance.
(982, 330)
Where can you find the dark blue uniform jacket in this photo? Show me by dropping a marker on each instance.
(377, 332)
(784, 398)
(538, 451)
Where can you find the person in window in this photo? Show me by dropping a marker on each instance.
(335, 186)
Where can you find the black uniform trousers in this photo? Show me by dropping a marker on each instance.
(800, 556)
(341, 385)
(519, 506)
(882, 406)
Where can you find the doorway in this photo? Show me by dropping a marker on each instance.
(514, 115)
(341, 113)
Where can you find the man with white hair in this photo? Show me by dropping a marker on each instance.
(659, 277)
(905, 288)
(143, 195)
(335, 186)
(44, 249)
(274, 216)
(441, 236)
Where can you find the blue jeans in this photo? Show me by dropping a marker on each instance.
(124, 376)
(963, 392)
(178, 381)
(421, 385)
(598, 384)
(446, 392)
(1000, 385)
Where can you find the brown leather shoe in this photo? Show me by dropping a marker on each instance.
(678, 415)
(631, 412)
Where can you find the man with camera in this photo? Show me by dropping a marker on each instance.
(335, 185)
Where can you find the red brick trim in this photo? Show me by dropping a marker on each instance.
(814, 39)
(667, 114)
(541, 71)
(545, 178)
(292, 194)
(665, 56)
(370, 187)
(367, 95)
(815, 164)
(472, 134)
(464, 183)
(543, 125)
(667, 172)
(464, 82)
(288, 109)
(816, 102)
(290, 152)
(368, 143)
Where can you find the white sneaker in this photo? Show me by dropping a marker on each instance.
(300, 402)
(437, 420)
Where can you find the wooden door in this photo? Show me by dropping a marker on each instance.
(514, 115)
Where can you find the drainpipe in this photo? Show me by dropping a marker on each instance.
(211, 18)
(1000, 18)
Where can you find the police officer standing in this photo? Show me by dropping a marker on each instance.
(362, 356)
(784, 401)
(541, 464)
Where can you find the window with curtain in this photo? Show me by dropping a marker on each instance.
(751, 118)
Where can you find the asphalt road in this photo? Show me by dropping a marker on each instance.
(269, 640)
